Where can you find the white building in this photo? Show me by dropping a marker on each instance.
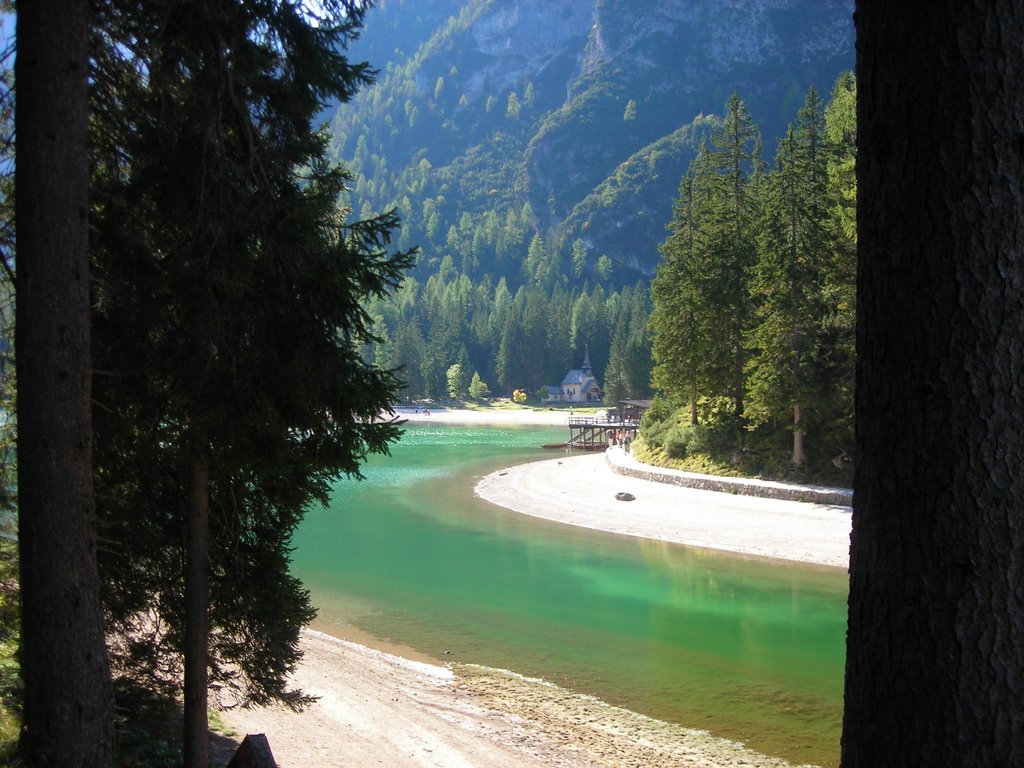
(578, 386)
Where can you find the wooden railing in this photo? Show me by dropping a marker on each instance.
(604, 421)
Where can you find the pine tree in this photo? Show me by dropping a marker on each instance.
(702, 312)
(934, 657)
(579, 258)
(227, 328)
(681, 323)
(616, 386)
(795, 248)
(511, 358)
(68, 708)
(408, 358)
(729, 235)
(512, 107)
(638, 345)
(836, 369)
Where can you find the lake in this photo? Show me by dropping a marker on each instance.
(746, 648)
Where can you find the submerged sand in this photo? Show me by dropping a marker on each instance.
(379, 709)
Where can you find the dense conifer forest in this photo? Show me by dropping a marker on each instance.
(754, 303)
(590, 190)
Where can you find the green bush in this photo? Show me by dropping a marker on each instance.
(676, 441)
(656, 422)
(685, 439)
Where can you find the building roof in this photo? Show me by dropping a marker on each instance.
(643, 404)
(576, 376)
(587, 367)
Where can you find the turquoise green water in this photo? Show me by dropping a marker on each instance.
(748, 649)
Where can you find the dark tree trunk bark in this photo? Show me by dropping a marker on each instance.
(799, 457)
(693, 401)
(68, 705)
(935, 650)
(197, 622)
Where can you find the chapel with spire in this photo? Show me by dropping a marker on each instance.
(578, 386)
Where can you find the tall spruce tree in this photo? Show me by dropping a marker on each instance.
(794, 250)
(229, 389)
(616, 378)
(702, 311)
(837, 367)
(730, 232)
(681, 321)
(68, 705)
(638, 344)
(68, 715)
(935, 657)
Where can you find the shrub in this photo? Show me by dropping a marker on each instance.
(478, 388)
(685, 439)
(675, 441)
(656, 422)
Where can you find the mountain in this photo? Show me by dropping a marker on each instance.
(494, 121)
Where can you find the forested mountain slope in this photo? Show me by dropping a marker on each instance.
(534, 150)
(587, 110)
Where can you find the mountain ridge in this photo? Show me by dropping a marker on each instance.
(485, 106)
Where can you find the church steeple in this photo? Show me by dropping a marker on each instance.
(586, 367)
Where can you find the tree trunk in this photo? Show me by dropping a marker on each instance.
(799, 457)
(935, 658)
(739, 380)
(68, 705)
(197, 623)
(693, 401)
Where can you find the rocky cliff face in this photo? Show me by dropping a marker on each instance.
(599, 87)
(520, 38)
(677, 60)
(721, 36)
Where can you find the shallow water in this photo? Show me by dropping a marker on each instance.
(749, 649)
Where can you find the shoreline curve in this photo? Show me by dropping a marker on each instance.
(581, 490)
(376, 708)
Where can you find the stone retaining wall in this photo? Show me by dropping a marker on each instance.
(624, 464)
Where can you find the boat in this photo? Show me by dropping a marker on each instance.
(577, 446)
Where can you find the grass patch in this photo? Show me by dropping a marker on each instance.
(217, 725)
(148, 728)
(697, 462)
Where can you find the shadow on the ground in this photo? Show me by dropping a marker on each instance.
(148, 732)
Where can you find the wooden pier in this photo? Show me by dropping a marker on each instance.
(591, 433)
(595, 433)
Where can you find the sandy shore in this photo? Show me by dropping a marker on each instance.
(521, 416)
(377, 709)
(581, 490)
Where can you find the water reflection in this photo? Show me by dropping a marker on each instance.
(746, 648)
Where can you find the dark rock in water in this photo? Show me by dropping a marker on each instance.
(623, 496)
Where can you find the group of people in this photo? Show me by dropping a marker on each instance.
(620, 437)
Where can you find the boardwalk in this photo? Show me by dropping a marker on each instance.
(595, 432)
